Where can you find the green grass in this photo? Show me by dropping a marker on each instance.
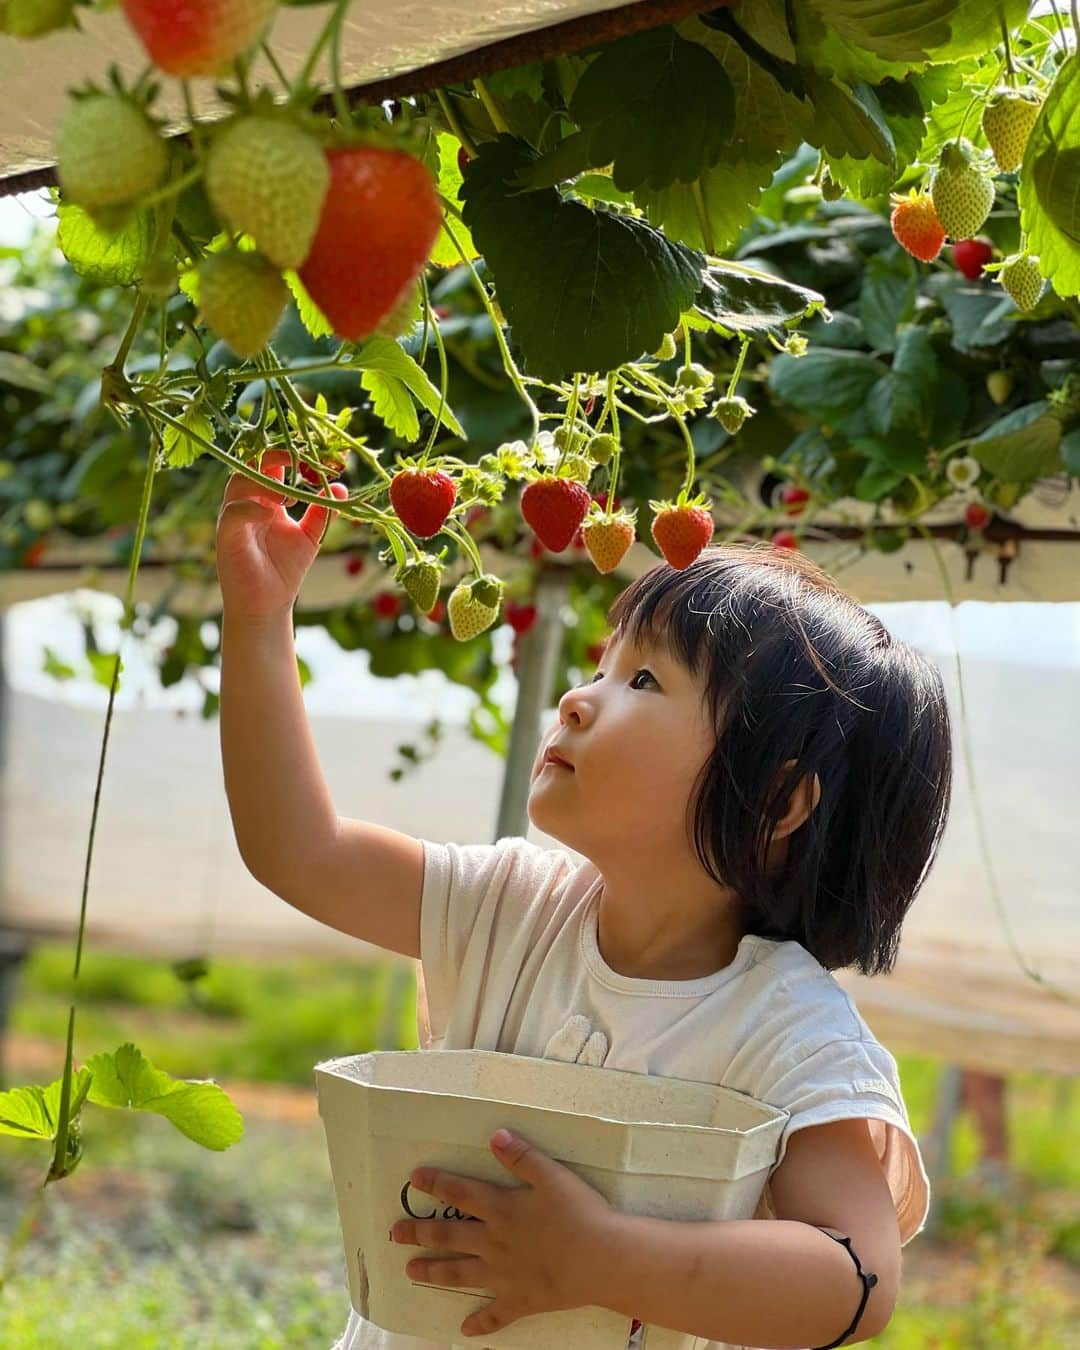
(271, 1021)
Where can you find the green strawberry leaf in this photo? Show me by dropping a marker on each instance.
(738, 300)
(887, 298)
(849, 121)
(825, 383)
(560, 269)
(659, 109)
(181, 450)
(396, 384)
(106, 257)
(202, 1111)
(710, 213)
(901, 107)
(34, 1112)
(904, 400)
(913, 31)
(445, 254)
(1023, 445)
(311, 316)
(1049, 192)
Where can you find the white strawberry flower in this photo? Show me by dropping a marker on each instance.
(963, 472)
(547, 452)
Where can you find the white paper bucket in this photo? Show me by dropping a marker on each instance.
(668, 1148)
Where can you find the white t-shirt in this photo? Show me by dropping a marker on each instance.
(510, 961)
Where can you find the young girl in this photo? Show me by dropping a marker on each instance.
(755, 781)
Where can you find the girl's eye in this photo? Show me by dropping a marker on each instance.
(633, 677)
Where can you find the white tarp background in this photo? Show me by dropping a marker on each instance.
(167, 877)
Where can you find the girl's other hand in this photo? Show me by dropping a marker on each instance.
(263, 554)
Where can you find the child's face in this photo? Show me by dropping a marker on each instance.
(638, 735)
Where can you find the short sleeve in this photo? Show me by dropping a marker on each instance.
(473, 900)
(858, 1079)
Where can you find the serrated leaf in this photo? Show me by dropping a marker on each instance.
(887, 297)
(34, 1112)
(904, 399)
(1049, 191)
(901, 106)
(659, 109)
(1023, 445)
(769, 122)
(560, 270)
(849, 121)
(979, 317)
(396, 384)
(202, 1111)
(108, 258)
(311, 316)
(827, 383)
(737, 299)
(445, 254)
(916, 30)
(181, 450)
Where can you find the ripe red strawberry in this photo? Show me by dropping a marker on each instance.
(32, 555)
(354, 564)
(962, 190)
(595, 652)
(916, 227)
(1007, 121)
(785, 539)
(976, 516)
(681, 532)
(794, 499)
(520, 617)
(554, 508)
(387, 605)
(198, 37)
(437, 611)
(378, 224)
(422, 498)
(971, 256)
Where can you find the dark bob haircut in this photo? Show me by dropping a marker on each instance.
(795, 669)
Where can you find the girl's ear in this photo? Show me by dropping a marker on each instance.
(804, 797)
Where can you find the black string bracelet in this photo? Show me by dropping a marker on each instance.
(868, 1283)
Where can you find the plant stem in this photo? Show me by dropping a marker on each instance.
(140, 308)
(300, 84)
(459, 131)
(443, 381)
(267, 51)
(172, 189)
(490, 106)
(341, 103)
(738, 367)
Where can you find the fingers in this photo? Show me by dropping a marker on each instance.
(313, 521)
(466, 1236)
(240, 488)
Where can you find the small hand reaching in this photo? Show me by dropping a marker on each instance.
(263, 554)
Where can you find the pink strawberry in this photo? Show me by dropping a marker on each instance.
(554, 508)
(422, 498)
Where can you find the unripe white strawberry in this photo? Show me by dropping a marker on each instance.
(962, 191)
